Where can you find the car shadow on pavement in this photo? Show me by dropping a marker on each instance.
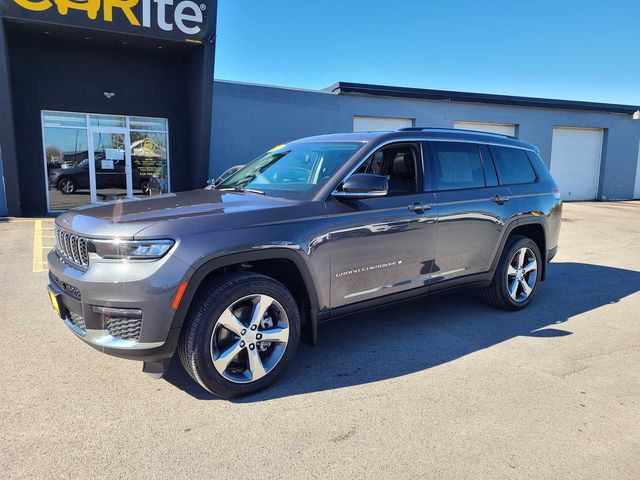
(416, 335)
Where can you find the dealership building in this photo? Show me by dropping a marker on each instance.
(108, 99)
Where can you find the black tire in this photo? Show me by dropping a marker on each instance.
(145, 187)
(497, 294)
(195, 345)
(67, 185)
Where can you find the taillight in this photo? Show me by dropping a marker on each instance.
(556, 193)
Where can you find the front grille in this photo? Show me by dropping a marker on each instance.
(77, 320)
(124, 328)
(72, 247)
(70, 289)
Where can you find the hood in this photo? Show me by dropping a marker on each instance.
(128, 217)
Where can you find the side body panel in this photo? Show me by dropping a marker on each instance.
(470, 223)
(379, 246)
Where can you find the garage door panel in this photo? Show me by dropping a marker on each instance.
(575, 161)
(380, 124)
(501, 128)
(636, 192)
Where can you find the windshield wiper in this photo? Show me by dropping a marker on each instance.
(238, 188)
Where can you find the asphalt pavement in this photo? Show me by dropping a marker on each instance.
(443, 387)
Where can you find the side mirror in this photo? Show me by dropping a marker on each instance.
(363, 185)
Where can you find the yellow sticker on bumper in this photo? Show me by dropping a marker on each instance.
(54, 302)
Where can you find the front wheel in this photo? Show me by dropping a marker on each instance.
(67, 186)
(145, 187)
(242, 336)
(517, 276)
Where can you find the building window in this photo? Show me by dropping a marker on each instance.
(96, 158)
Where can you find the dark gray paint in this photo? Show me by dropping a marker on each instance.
(455, 240)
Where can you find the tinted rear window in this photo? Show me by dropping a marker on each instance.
(457, 165)
(513, 165)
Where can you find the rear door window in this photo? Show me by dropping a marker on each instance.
(456, 165)
(513, 165)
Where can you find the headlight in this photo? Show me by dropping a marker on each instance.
(131, 249)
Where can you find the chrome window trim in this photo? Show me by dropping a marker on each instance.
(417, 139)
(371, 194)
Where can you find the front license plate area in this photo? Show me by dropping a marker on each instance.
(56, 303)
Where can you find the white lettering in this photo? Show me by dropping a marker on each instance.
(181, 16)
(162, 17)
(146, 13)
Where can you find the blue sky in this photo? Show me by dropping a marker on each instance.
(569, 49)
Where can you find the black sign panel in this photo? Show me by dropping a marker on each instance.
(185, 20)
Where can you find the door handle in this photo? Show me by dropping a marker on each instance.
(500, 199)
(419, 207)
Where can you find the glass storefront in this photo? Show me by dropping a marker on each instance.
(97, 158)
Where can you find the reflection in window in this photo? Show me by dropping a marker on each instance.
(149, 163)
(63, 119)
(66, 136)
(513, 165)
(146, 123)
(106, 121)
(67, 167)
(458, 165)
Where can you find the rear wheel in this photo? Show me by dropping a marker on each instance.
(242, 336)
(516, 278)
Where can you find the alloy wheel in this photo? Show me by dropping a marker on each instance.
(522, 274)
(66, 185)
(249, 338)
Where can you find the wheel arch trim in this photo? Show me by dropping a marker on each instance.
(210, 264)
(519, 222)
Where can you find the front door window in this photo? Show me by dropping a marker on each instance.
(96, 158)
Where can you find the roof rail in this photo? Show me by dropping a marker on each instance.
(457, 130)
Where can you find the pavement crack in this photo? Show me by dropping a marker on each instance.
(345, 436)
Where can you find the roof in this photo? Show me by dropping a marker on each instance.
(422, 134)
(450, 96)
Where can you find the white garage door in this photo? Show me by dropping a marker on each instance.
(377, 124)
(636, 192)
(575, 161)
(501, 128)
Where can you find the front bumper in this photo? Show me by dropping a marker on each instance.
(148, 287)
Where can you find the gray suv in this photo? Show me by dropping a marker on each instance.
(234, 275)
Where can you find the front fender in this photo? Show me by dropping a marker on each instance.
(210, 264)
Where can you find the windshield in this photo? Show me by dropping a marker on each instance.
(295, 171)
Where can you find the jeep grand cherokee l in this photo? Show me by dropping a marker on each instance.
(230, 276)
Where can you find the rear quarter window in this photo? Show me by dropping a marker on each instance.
(512, 165)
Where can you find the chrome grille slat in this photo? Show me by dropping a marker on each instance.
(72, 247)
(73, 242)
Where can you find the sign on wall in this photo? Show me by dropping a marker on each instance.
(190, 20)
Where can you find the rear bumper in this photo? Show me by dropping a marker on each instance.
(146, 288)
(551, 253)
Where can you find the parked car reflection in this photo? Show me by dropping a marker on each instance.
(69, 179)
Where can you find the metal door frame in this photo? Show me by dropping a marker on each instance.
(92, 164)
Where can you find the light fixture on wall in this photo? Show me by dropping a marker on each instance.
(109, 95)
(636, 115)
